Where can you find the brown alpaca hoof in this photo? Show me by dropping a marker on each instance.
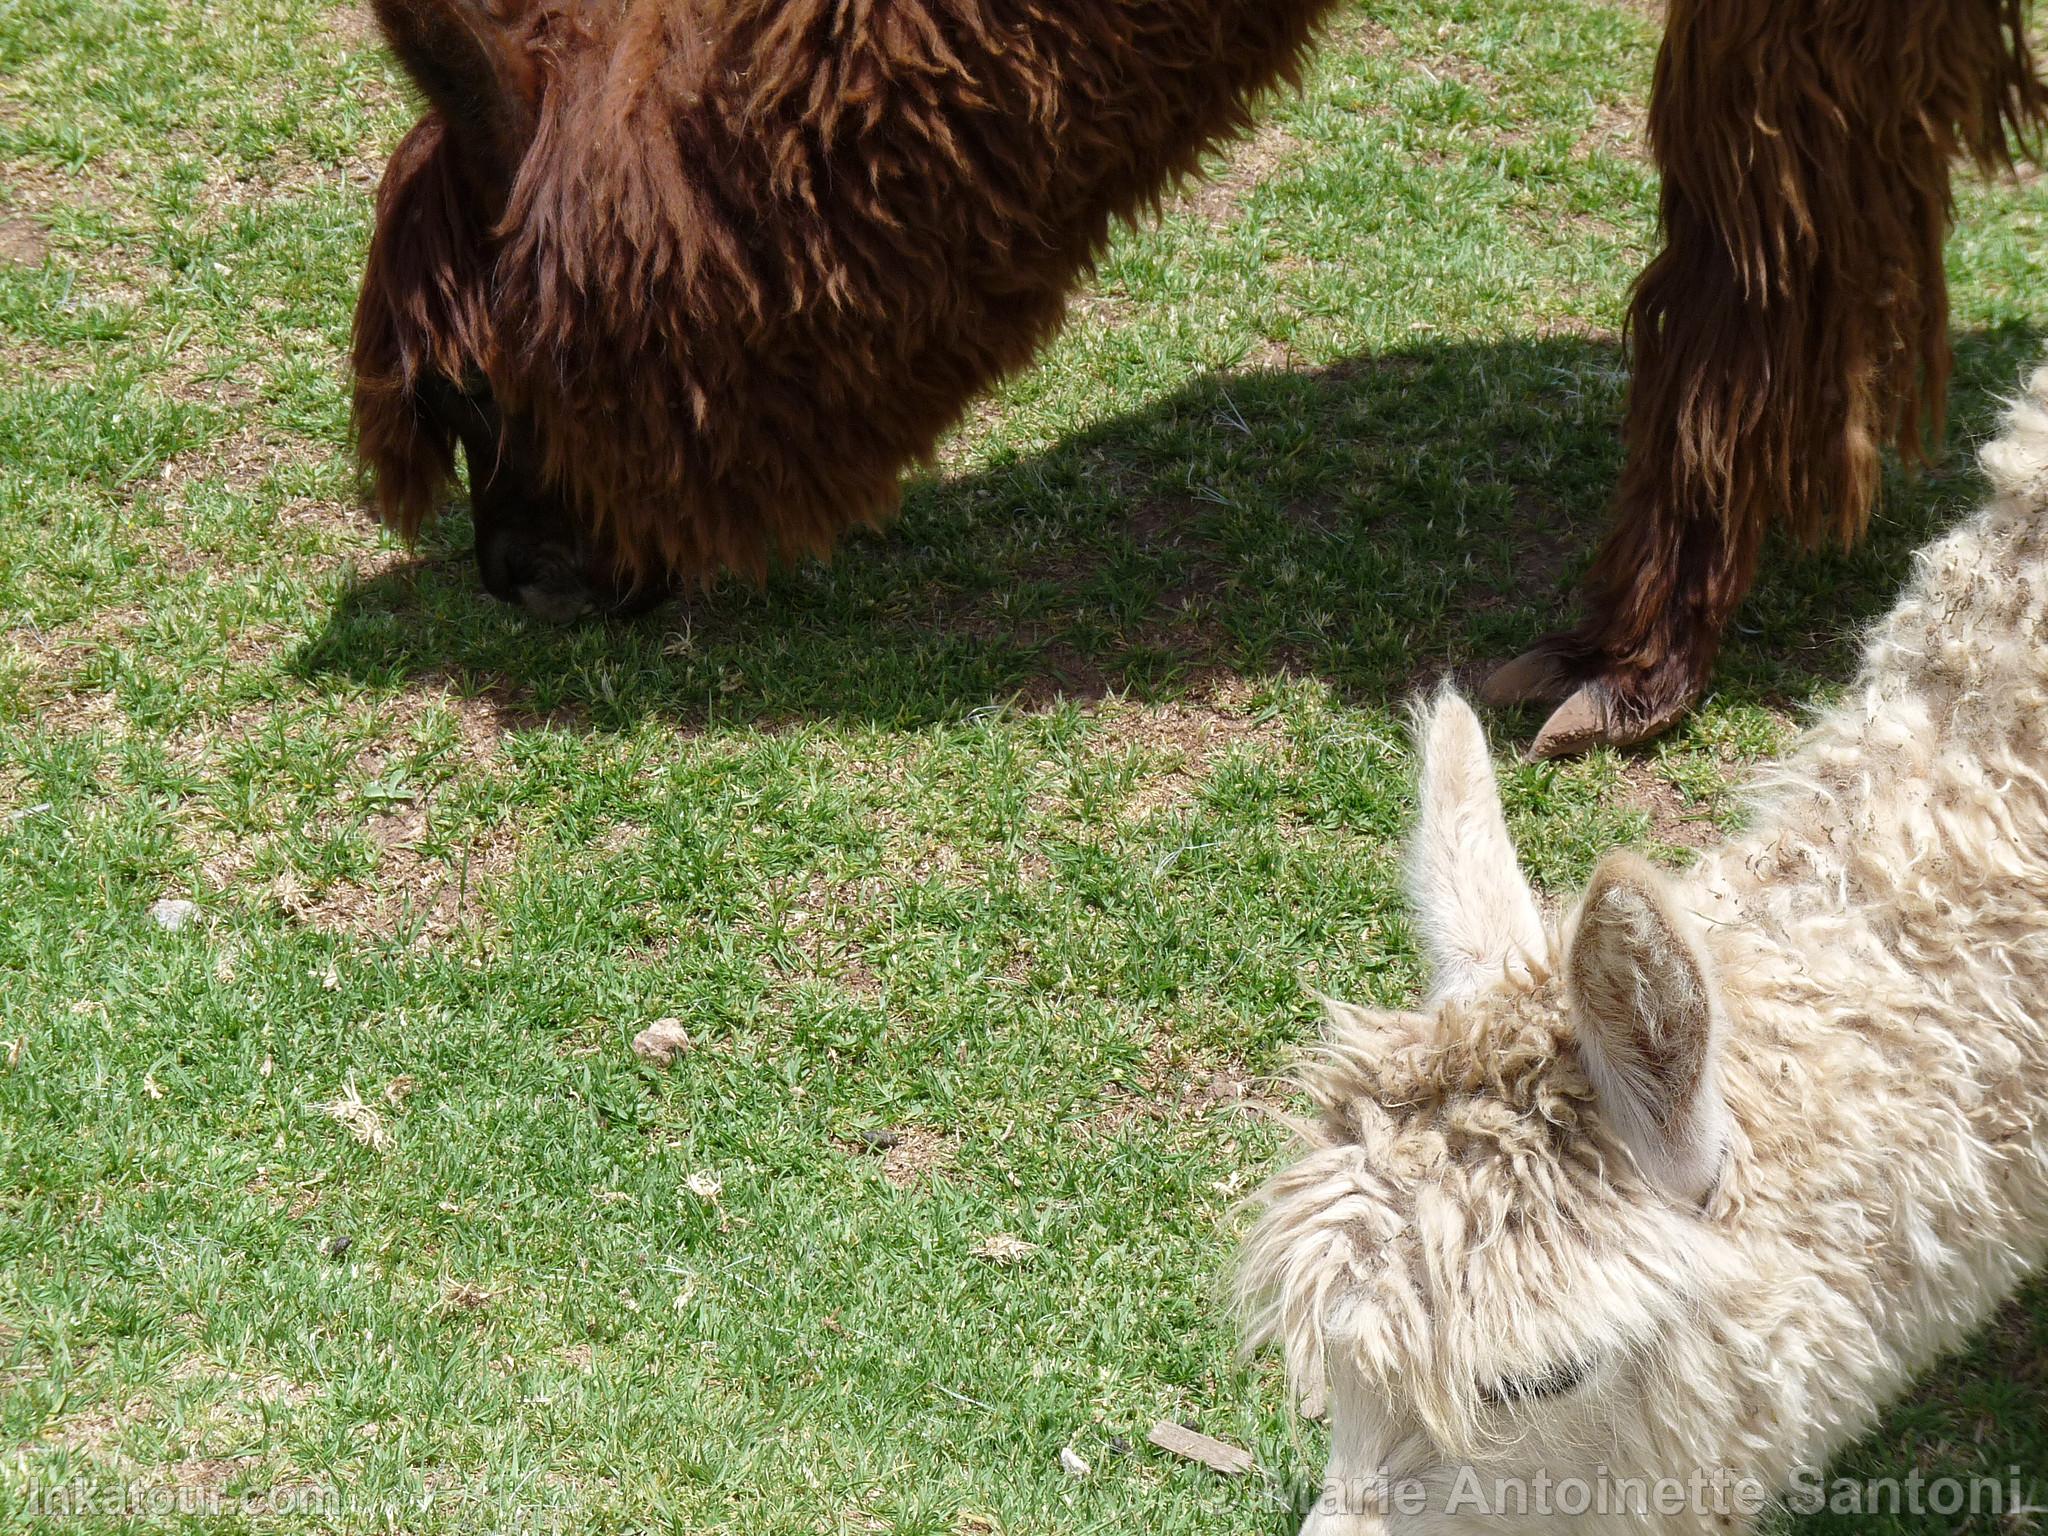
(554, 606)
(1600, 713)
(551, 590)
(1545, 675)
(1582, 722)
(557, 579)
(1598, 704)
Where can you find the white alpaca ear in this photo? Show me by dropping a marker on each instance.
(1477, 918)
(1649, 1019)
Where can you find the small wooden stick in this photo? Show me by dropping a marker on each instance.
(1217, 1455)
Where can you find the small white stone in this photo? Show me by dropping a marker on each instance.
(173, 913)
(1003, 1249)
(661, 1042)
(1072, 1464)
(705, 1186)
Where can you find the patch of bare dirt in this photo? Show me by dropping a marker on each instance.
(1578, 328)
(38, 196)
(1186, 741)
(248, 455)
(822, 923)
(919, 1153)
(91, 1435)
(956, 451)
(241, 1391)
(1468, 72)
(360, 554)
(907, 1155)
(838, 959)
(1270, 356)
(94, 1435)
(17, 801)
(350, 26)
(1173, 1085)
(1617, 130)
(459, 1296)
(427, 881)
(285, 170)
(414, 894)
(1219, 198)
(1093, 307)
(290, 174)
(296, 1199)
(1673, 819)
(22, 241)
(203, 1474)
(32, 191)
(622, 837)
(72, 710)
(1367, 36)
(481, 720)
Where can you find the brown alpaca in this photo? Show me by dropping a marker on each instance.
(691, 285)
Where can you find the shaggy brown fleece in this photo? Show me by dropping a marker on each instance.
(1797, 318)
(758, 255)
(716, 271)
(424, 315)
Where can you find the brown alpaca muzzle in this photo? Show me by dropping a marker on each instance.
(528, 556)
(524, 560)
(531, 549)
(532, 555)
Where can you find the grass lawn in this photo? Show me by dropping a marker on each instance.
(990, 869)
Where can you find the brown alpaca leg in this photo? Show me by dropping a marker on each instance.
(1796, 320)
(1675, 583)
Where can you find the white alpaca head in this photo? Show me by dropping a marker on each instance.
(1495, 1253)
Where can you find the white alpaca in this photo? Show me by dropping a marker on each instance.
(1691, 1186)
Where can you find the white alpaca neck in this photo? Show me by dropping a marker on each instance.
(1882, 936)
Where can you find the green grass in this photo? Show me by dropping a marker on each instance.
(1025, 831)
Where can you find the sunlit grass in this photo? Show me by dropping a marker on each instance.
(991, 869)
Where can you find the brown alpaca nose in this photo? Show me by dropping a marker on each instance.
(546, 579)
(555, 577)
(556, 603)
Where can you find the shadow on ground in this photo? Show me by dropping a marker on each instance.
(1371, 524)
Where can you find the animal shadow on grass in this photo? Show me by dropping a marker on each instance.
(1373, 524)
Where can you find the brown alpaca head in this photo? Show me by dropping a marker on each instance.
(692, 285)
(426, 356)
